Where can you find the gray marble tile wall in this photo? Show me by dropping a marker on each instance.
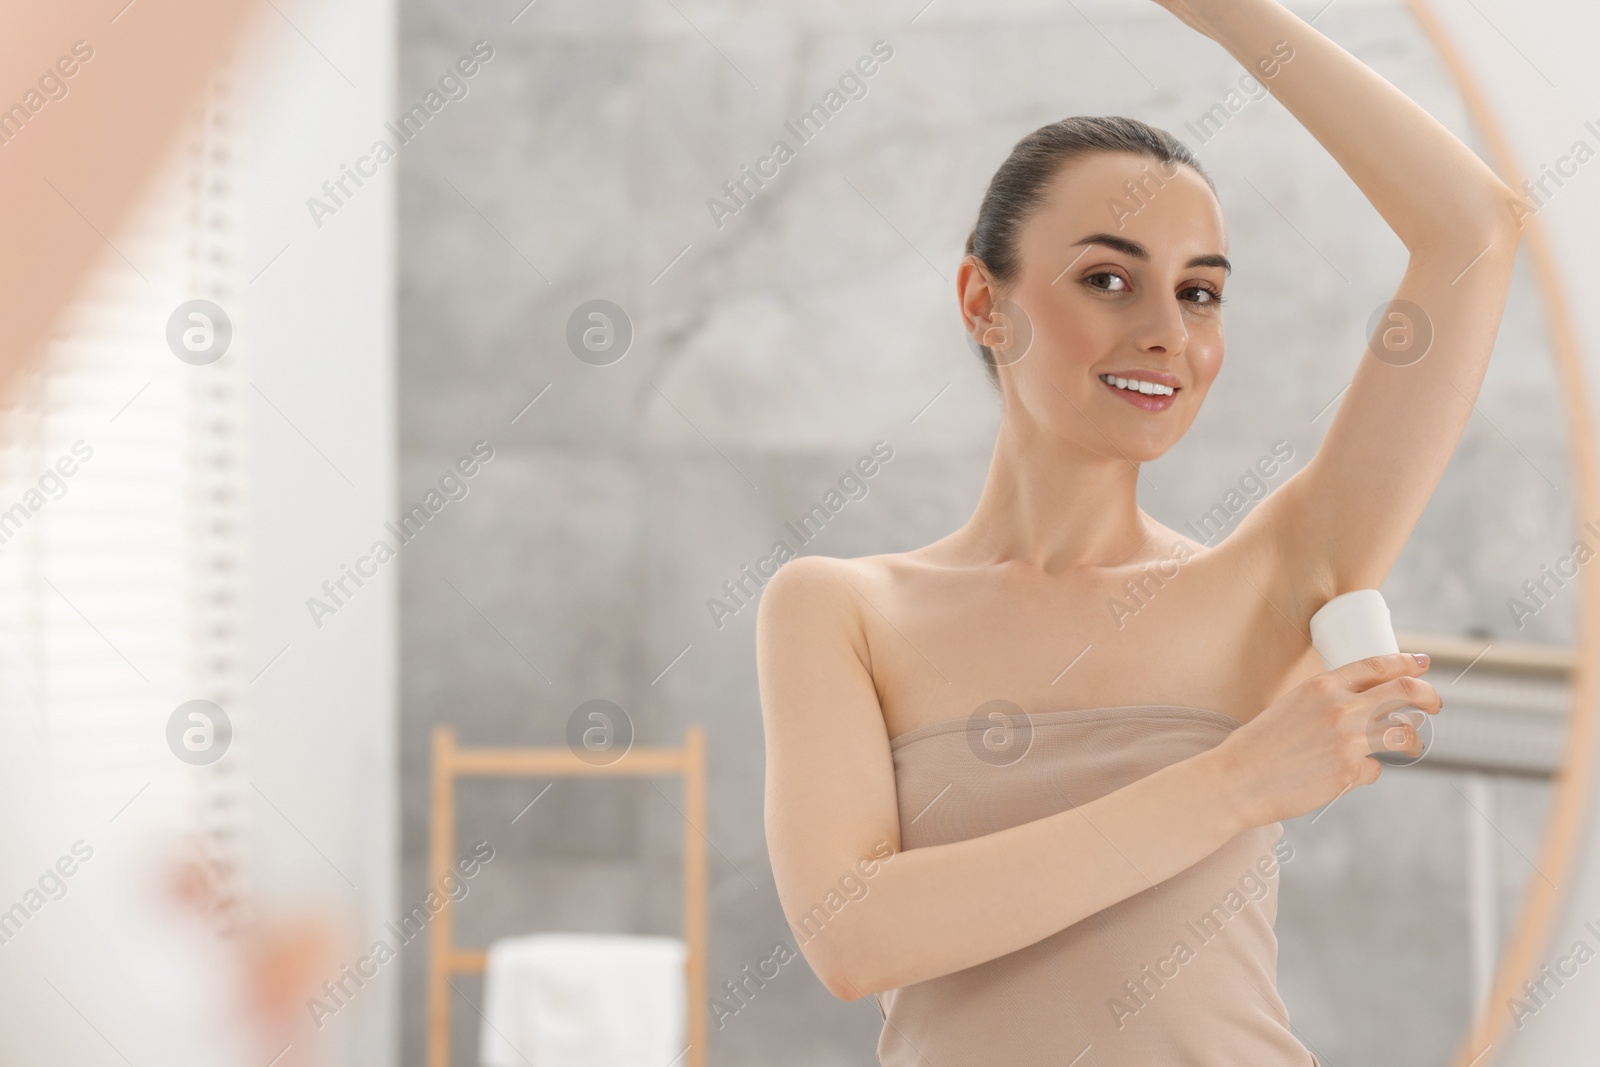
(772, 350)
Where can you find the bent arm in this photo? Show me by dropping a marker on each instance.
(1428, 186)
(1347, 514)
(926, 912)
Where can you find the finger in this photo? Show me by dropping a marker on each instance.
(1416, 749)
(1402, 737)
(1363, 674)
(1400, 694)
(1398, 738)
(1414, 746)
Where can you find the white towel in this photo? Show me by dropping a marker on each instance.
(584, 1000)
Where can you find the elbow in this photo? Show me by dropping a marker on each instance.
(839, 974)
(841, 987)
(1499, 223)
(848, 987)
(1487, 224)
(836, 976)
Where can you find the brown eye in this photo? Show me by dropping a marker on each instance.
(1109, 277)
(1206, 296)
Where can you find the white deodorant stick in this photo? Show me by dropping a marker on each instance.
(1351, 627)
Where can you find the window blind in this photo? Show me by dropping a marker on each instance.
(122, 567)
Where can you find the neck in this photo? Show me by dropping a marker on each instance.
(1055, 504)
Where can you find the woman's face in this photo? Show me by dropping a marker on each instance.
(1120, 270)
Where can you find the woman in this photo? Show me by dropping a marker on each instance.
(1036, 827)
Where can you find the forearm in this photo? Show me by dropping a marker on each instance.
(1429, 187)
(935, 910)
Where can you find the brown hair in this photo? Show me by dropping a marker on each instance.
(1019, 186)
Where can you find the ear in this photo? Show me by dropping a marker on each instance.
(999, 335)
(977, 294)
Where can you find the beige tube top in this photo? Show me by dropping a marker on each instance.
(1181, 974)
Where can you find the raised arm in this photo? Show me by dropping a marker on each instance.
(1345, 516)
(830, 804)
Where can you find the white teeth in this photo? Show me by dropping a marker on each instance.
(1137, 386)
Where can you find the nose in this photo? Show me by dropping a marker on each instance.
(1161, 329)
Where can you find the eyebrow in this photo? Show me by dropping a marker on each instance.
(1137, 251)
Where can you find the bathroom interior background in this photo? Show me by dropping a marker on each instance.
(776, 345)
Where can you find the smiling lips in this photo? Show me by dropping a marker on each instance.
(1146, 390)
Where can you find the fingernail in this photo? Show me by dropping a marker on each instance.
(1420, 657)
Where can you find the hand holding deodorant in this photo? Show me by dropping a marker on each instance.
(1351, 627)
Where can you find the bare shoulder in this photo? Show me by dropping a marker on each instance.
(814, 610)
(814, 665)
(817, 592)
(806, 586)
